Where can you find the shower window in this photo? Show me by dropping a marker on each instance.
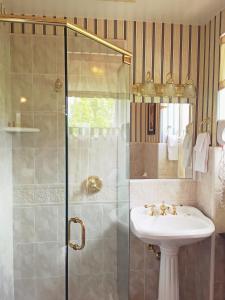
(92, 112)
(221, 105)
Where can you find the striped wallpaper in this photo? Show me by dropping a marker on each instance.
(183, 50)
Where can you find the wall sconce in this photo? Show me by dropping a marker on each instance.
(167, 90)
(189, 89)
(170, 90)
(149, 86)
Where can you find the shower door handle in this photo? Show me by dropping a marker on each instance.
(73, 245)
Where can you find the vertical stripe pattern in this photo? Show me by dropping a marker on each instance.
(183, 50)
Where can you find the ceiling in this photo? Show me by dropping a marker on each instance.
(168, 11)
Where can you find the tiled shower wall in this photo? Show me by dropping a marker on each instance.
(93, 271)
(6, 216)
(38, 167)
(39, 187)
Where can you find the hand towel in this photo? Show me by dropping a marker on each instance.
(202, 152)
(172, 147)
(187, 150)
(220, 131)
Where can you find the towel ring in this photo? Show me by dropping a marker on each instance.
(204, 122)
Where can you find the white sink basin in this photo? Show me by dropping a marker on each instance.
(170, 232)
(187, 227)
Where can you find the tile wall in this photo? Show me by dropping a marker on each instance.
(6, 216)
(38, 167)
(39, 186)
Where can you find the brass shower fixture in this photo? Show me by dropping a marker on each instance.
(93, 184)
(58, 85)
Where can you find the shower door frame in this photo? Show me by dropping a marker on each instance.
(126, 58)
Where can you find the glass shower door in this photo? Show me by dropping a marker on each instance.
(98, 171)
(32, 165)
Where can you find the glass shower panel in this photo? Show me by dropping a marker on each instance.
(6, 183)
(98, 170)
(34, 200)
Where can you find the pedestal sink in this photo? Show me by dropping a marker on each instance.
(170, 232)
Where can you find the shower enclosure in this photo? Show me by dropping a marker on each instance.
(64, 163)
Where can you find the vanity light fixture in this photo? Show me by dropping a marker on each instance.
(149, 86)
(23, 100)
(170, 90)
(164, 90)
(189, 89)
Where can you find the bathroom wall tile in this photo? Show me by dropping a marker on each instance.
(151, 261)
(23, 195)
(151, 284)
(142, 192)
(22, 87)
(109, 225)
(78, 168)
(136, 254)
(75, 266)
(44, 94)
(109, 283)
(45, 165)
(61, 129)
(46, 223)
(23, 227)
(89, 287)
(44, 54)
(74, 64)
(169, 190)
(110, 255)
(25, 141)
(92, 214)
(137, 282)
(50, 288)
(21, 53)
(219, 292)
(74, 286)
(47, 123)
(24, 289)
(24, 261)
(61, 223)
(219, 259)
(49, 195)
(91, 257)
(61, 165)
(60, 55)
(23, 165)
(46, 260)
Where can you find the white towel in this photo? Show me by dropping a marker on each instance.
(172, 146)
(220, 132)
(187, 150)
(202, 152)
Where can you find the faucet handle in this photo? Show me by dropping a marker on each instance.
(148, 205)
(163, 209)
(152, 211)
(174, 209)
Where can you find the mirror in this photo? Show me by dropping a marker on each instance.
(167, 149)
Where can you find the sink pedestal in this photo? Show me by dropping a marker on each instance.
(169, 278)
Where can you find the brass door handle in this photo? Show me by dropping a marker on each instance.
(73, 245)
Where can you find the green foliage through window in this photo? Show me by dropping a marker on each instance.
(91, 112)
